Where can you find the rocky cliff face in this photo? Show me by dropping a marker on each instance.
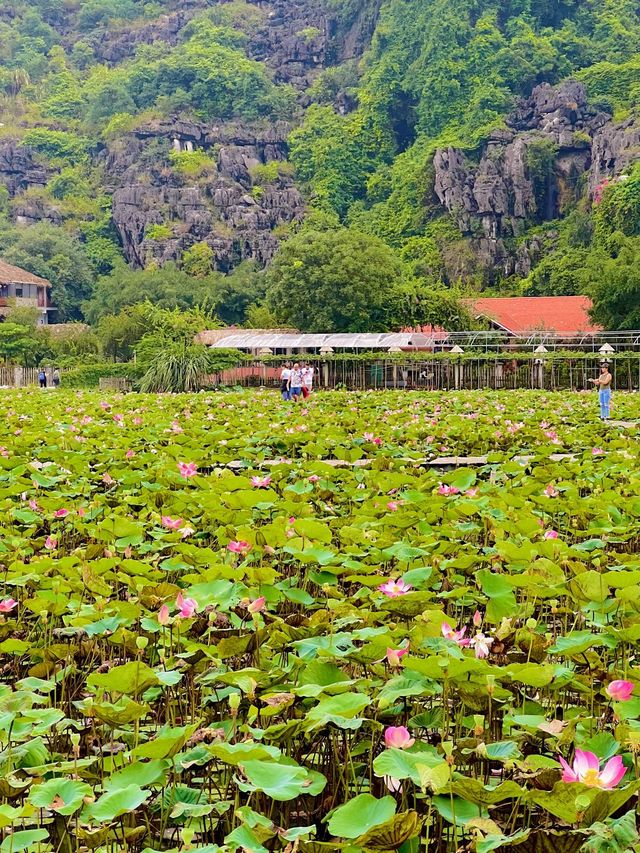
(19, 168)
(159, 210)
(530, 172)
(225, 206)
(300, 37)
(615, 147)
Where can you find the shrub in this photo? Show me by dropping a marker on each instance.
(89, 375)
(57, 145)
(177, 368)
(158, 232)
(69, 182)
(191, 164)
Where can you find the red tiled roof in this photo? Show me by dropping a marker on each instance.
(521, 314)
(14, 275)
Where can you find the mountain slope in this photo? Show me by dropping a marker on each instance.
(165, 131)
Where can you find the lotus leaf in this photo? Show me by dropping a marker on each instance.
(360, 815)
(286, 638)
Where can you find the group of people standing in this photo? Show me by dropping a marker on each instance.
(296, 381)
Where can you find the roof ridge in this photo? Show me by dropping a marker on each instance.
(11, 274)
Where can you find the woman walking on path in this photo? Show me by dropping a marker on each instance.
(307, 380)
(285, 381)
(604, 391)
(295, 382)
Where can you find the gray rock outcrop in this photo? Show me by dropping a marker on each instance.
(19, 168)
(615, 148)
(529, 172)
(224, 206)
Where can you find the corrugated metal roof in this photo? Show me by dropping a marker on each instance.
(266, 340)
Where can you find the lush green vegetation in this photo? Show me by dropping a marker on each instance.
(436, 73)
(385, 656)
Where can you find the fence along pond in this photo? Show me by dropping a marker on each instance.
(553, 372)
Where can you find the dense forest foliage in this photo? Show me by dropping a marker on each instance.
(77, 77)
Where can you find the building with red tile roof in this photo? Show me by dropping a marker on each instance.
(521, 315)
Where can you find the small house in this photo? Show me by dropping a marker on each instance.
(22, 289)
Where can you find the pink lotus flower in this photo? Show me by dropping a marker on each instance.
(551, 534)
(260, 482)
(482, 645)
(393, 506)
(108, 479)
(129, 454)
(7, 605)
(471, 493)
(61, 513)
(477, 619)
(105, 406)
(171, 523)
(33, 505)
(393, 588)
(82, 512)
(50, 543)
(186, 606)
(620, 690)
(398, 737)
(369, 436)
(586, 769)
(447, 490)
(257, 605)
(314, 478)
(597, 451)
(239, 547)
(186, 532)
(457, 637)
(187, 469)
(394, 657)
(163, 615)
(551, 492)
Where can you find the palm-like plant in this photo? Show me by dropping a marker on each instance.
(177, 368)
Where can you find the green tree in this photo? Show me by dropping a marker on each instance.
(341, 280)
(168, 287)
(55, 255)
(17, 343)
(260, 316)
(119, 333)
(614, 284)
(235, 293)
(198, 260)
(420, 304)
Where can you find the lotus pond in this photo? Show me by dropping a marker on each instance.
(307, 657)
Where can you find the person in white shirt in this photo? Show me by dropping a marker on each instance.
(295, 383)
(307, 380)
(285, 381)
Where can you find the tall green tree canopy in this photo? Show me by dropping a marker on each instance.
(340, 280)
